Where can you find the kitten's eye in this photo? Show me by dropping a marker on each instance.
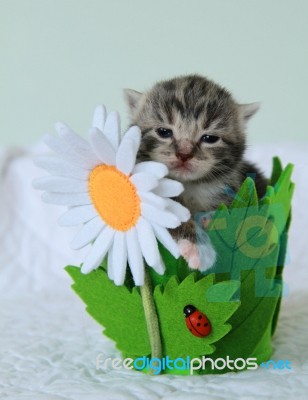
(209, 139)
(164, 133)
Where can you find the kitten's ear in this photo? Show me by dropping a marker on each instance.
(132, 98)
(246, 111)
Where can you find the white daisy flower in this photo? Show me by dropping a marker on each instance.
(124, 207)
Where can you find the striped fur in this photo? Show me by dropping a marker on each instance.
(191, 107)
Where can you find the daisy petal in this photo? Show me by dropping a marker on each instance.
(153, 199)
(88, 233)
(77, 215)
(60, 185)
(66, 152)
(144, 182)
(164, 217)
(119, 258)
(98, 250)
(127, 152)
(134, 256)
(169, 188)
(102, 147)
(66, 199)
(159, 267)
(126, 157)
(78, 144)
(58, 167)
(99, 117)
(148, 243)
(152, 167)
(180, 211)
(133, 134)
(110, 263)
(112, 129)
(164, 237)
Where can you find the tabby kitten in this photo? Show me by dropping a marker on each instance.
(195, 127)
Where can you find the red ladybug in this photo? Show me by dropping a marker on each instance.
(196, 321)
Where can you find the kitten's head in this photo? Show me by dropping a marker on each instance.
(192, 125)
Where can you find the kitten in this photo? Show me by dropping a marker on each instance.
(197, 130)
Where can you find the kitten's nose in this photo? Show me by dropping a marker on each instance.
(184, 156)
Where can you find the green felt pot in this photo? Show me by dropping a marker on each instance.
(240, 295)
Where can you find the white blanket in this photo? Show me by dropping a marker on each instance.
(48, 343)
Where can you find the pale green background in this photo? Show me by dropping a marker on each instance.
(59, 58)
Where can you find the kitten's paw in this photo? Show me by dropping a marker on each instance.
(190, 252)
(207, 255)
(202, 256)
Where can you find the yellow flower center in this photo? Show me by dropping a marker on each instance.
(114, 197)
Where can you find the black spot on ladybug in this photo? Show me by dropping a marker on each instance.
(200, 317)
(198, 324)
(205, 324)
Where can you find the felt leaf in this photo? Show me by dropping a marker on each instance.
(248, 241)
(280, 200)
(264, 348)
(252, 337)
(276, 171)
(241, 236)
(260, 274)
(260, 296)
(170, 301)
(248, 232)
(279, 271)
(246, 196)
(222, 291)
(116, 308)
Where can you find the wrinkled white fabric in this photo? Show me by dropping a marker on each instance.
(48, 343)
